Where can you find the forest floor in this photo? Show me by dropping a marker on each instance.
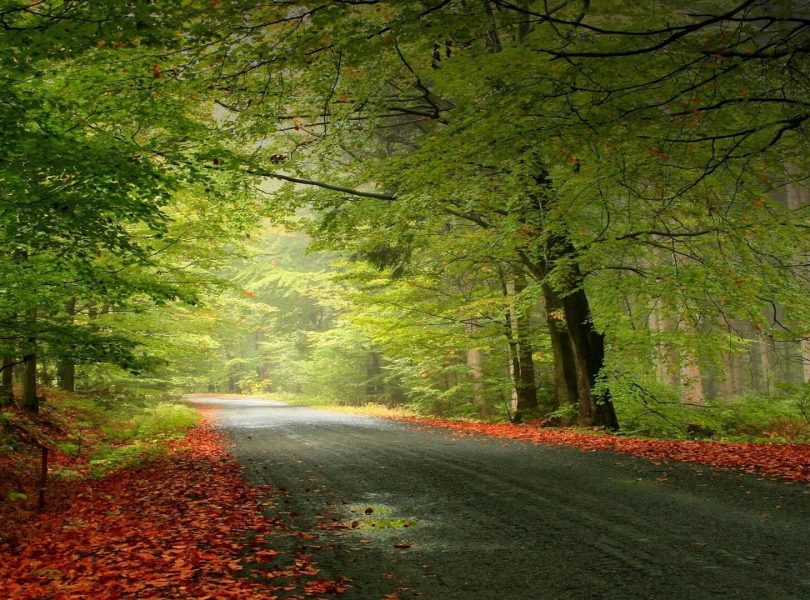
(407, 510)
(183, 524)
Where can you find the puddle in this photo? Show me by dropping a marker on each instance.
(377, 517)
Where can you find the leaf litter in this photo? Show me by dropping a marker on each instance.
(790, 462)
(186, 525)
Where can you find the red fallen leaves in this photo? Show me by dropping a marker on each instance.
(782, 461)
(326, 586)
(184, 526)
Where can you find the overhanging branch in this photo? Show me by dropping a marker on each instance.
(321, 184)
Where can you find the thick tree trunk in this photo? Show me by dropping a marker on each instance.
(692, 382)
(587, 344)
(565, 376)
(29, 400)
(7, 381)
(666, 366)
(589, 358)
(66, 373)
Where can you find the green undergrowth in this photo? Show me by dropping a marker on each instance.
(87, 436)
(780, 417)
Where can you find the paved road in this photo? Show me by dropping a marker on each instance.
(491, 519)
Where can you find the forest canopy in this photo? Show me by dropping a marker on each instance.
(591, 213)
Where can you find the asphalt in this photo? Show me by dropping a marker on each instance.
(435, 516)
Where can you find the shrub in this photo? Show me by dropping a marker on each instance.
(165, 418)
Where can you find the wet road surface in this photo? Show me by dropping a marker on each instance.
(492, 519)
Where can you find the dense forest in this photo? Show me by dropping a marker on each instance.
(589, 213)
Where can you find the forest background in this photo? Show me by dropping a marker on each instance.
(592, 213)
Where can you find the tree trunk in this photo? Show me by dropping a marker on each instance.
(797, 200)
(29, 400)
(475, 365)
(565, 376)
(374, 387)
(666, 367)
(521, 364)
(692, 382)
(587, 344)
(589, 358)
(7, 381)
(527, 388)
(66, 373)
(514, 362)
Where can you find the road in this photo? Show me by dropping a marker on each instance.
(489, 519)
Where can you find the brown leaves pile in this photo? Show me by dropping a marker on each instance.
(184, 526)
(780, 461)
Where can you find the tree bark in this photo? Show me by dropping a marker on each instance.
(29, 400)
(374, 387)
(7, 381)
(475, 366)
(521, 363)
(565, 376)
(527, 388)
(595, 408)
(66, 373)
(589, 358)
(587, 344)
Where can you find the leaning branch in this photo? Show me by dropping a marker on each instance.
(321, 184)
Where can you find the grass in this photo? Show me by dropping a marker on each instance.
(86, 437)
(369, 409)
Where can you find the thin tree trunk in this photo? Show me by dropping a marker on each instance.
(527, 390)
(7, 381)
(29, 400)
(514, 361)
(475, 366)
(374, 388)
(797, 199)
(521, 363)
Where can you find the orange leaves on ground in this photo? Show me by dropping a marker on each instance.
(783, 461)
(183, 526)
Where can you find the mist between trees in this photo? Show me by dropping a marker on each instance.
(587, 213)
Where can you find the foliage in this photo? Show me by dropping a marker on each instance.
(494, 204)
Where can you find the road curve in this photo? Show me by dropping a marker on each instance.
(489, 519)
